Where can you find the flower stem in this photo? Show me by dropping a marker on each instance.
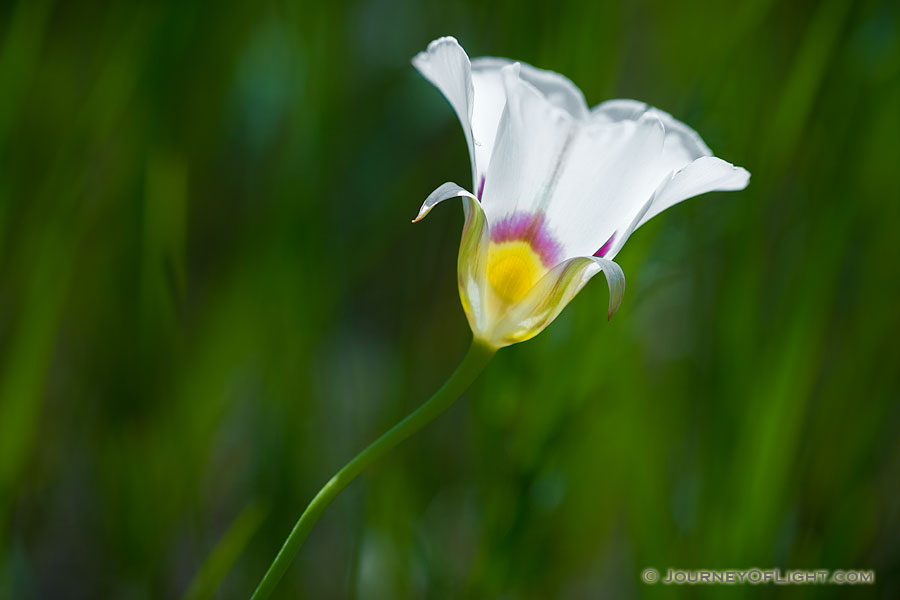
(478, 356)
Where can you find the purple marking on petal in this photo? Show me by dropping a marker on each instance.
(605, 247)
(531, 228)
(480, 188)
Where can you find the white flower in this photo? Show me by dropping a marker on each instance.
(557, 187)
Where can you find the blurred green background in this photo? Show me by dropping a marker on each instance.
(211, 297)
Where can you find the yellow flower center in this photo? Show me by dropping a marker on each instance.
(513, 268)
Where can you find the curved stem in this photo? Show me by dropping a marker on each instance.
(476, 359)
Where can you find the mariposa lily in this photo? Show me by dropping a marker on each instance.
(557, 188)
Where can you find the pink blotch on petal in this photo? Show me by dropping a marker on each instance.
(531, 228)
(605, 247)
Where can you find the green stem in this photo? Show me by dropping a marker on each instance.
(478, 356)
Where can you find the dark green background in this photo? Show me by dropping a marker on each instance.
(211, 297)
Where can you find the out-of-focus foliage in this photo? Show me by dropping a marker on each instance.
(211, 297)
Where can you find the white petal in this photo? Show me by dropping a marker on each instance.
(693, 169)
(621, 235)
(615, 279)
(530, 138)
(445, 64)
(683, 140)
(588, 178)
(557, 88)
(706, 174)
(490, 99)
(472, 248)
(444, 192)
(476, 92)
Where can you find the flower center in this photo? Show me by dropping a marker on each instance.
(513, 269)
